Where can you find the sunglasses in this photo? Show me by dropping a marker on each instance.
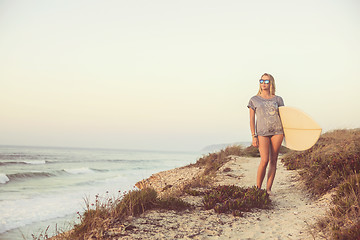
(264, 81)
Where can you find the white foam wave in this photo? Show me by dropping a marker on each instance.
(3, 178)
(15, 213)
(21, 212)
(79, 170)
(37, 162)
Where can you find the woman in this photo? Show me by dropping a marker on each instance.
(267, 133)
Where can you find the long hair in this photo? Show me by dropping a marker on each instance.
(272, 84)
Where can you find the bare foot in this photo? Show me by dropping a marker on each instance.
(270, 193)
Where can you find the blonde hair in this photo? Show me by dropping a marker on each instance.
(272, 84)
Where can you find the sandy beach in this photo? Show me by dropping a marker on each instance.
(291, 217)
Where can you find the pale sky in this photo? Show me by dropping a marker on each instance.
(170, 75)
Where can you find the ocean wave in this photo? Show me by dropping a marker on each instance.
(24, 175)
(3, 178)
(36, 162)
(31, 162)
(16, 156)
(104, 160)
(100, 170)
(10, 163)
(82, 170)
(42, 161)
(131, 160)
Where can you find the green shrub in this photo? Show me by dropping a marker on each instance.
(172, 203)
(235, 199)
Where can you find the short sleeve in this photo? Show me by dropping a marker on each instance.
(280, 102)
(251, 104)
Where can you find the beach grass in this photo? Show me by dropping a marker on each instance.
(333, 164)
(212, 162)
(104, 214)
(327, 164)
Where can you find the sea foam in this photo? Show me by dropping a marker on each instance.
(36, 162)
(3, 178)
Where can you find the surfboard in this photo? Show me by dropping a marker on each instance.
(300, 130)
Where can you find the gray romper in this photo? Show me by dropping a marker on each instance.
(268, 121)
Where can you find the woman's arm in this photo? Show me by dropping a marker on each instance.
(255, 142)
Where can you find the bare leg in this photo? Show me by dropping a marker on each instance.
(264, 143)
(275, 144)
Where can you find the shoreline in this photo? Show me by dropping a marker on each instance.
(292, 215)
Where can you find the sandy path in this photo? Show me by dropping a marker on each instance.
(293, 212)
(290, 218)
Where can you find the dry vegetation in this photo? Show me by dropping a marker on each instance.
(334, 164)
(103, 215)
(213, 161)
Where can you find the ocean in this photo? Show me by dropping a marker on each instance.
(41, 186)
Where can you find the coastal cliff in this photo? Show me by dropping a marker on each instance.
(316, 195)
